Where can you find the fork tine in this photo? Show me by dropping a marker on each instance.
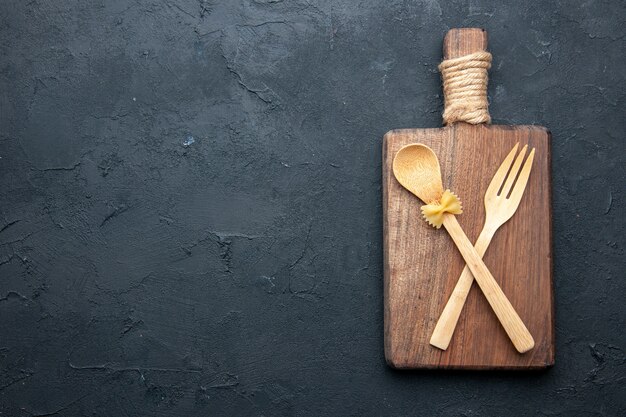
(498, 178)
(520, 185)
(510, 179)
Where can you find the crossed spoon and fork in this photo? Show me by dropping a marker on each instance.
(416, 168)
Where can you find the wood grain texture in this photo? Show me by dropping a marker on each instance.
(421, 264)
(464, 41)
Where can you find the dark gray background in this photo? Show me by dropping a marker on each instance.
(241, 274)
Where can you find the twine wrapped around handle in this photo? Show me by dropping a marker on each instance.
(465, 88)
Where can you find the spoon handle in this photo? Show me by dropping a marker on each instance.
(444, 329)
(510, 320)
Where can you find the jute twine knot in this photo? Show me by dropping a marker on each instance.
(465, 88)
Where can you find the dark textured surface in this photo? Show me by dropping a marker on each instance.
(242, 274)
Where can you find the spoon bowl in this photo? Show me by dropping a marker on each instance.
(416, 168)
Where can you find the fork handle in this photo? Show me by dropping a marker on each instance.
(510, 320)
(444, 329)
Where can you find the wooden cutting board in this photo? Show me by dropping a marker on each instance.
(421, 264)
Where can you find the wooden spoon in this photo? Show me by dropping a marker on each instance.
(416, 168)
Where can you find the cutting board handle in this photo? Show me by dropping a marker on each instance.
(464, 76)
(464, 41)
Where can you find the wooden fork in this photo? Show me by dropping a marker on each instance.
(501, 201)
